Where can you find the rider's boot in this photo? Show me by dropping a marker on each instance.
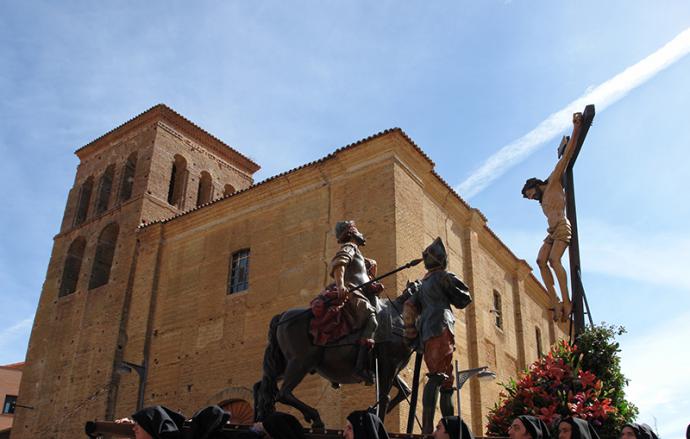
(447, 406)
(429, 399)
(362, 364)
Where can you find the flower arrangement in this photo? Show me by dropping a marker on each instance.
(565, 383)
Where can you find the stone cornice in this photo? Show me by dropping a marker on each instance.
(522, 269)
(163, 113)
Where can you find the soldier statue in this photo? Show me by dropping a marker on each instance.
(349, 269)
(429, 318)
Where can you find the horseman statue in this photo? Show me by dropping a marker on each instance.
(348, 336)
(350, 269)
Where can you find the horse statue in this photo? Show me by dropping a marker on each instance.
(291, 355)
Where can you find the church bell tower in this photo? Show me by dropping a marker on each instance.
(153, 167)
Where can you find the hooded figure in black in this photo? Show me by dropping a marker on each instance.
(365, 425)
(452, 426)
(642, 431)
(535, 427)
(283, 426)
(579, 429)
(160, 422)
(208, 423)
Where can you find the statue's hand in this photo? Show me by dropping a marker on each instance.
(343, 292)
(410, 332)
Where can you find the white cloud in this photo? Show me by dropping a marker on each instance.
(601, 96)
(21, 328)
(651, 257)
(656, 364)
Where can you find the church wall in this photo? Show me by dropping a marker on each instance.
(205, 341)
(500, 344)
(537, 315)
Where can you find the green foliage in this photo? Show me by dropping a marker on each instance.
(582, 380)
(600, 355)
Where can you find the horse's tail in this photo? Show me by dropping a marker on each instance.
(266, 390)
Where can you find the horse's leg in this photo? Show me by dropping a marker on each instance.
(294, 374)
(403, 391)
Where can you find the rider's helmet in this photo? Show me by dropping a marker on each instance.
(346, 231)
(435, 255)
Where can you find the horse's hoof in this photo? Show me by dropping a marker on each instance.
(318, 426)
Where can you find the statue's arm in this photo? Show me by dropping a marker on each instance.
(564, 161)
(457, 292)
(338, 264)
(339, 277)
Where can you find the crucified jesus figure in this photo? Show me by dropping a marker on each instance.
(551, 196)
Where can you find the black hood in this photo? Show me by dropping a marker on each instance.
(581, 429)
(367, 425)
(452, 426)
(535, 426)
(642, 431)
(160, 422)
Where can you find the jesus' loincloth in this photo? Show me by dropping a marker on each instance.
(559, 232)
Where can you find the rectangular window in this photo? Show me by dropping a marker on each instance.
(8, 406)
(498, 312)
(540, 349)
(239, 272)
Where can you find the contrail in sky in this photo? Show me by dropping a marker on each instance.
(601, 96)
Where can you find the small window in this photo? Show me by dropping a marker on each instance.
(178, 181)
(228, 190)
(498, 311)
(540, 349)
(103, 260)
(84, 199)
(128, 177)
(9, 405)
(239, 272)
(205, 191)
(106, 186)
(70, 272)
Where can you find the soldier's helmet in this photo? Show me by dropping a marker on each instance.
(347, 230)
(435, 255)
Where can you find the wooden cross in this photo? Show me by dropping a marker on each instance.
(578, 292)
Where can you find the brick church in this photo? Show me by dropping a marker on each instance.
(170, 262)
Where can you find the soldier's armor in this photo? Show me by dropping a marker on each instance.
(356, 270)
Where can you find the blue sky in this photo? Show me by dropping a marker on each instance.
(288, 82)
